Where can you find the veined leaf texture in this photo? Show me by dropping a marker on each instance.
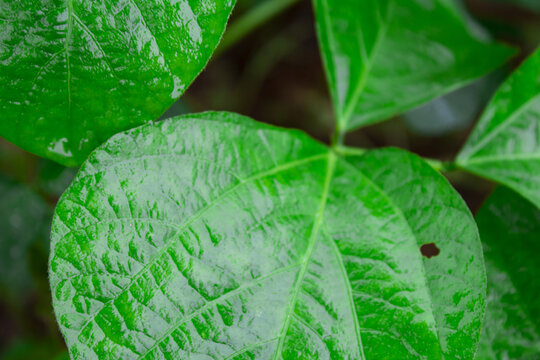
(384, 57)
(510, 229)
(76, 72)
(505, 145)
(211, 236)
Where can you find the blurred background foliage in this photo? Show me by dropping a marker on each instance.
(267, 67)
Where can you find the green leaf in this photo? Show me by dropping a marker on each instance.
(441, 222)
(212, 236)
(510, 229)
(74, 73)
(24, 221)
(505, 145)
(384, 57)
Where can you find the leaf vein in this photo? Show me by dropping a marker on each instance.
(200, 213)
(515, 115)
(318, 220)
(248, 285)
(347, 282)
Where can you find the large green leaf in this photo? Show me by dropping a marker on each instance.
(384, 57)
(212, 236)
(24, 223)
(75, 72)
(510, 229)
(505, 145)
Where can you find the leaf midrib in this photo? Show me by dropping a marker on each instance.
(209, 304)
(69, 36)
(318, 220)
(468, 155)
(316, 227)
(522, 305)
(343, 270)
(412, 234)
(498, 158)
(345, 117)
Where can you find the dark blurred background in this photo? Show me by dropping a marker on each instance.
(267, 67)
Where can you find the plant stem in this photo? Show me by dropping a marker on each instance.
(338, 138)
(253, 19)
(440, 166)
(349, 151)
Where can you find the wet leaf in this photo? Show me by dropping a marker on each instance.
(446, 236)
(73, 73)
(510, 229)
(211, 235)
(505, 145)
(384, 57)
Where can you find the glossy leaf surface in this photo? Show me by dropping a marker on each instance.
(383, 57)
(510, 230)
(448, 237)
(24, 222)
(75, 72)
(212, 236)
(505, 145)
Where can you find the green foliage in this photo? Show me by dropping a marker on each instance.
(505, 145)
(191, 229)
(510, 230)
(76, 72)
(441, 221)
(384, 57)
(214, 236)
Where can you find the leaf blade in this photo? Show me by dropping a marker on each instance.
(82, 71)
(511, 325)
(279, 267)
(504, 145)
(377, 69)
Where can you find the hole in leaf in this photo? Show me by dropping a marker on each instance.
(430, 250)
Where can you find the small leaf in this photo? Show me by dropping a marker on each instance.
(23, 223)
(384, 57)
(533, 5)
(505, 145)
(510, 229)
(212, 236)
(73, 73)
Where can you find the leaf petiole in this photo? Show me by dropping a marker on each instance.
(439, 165)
